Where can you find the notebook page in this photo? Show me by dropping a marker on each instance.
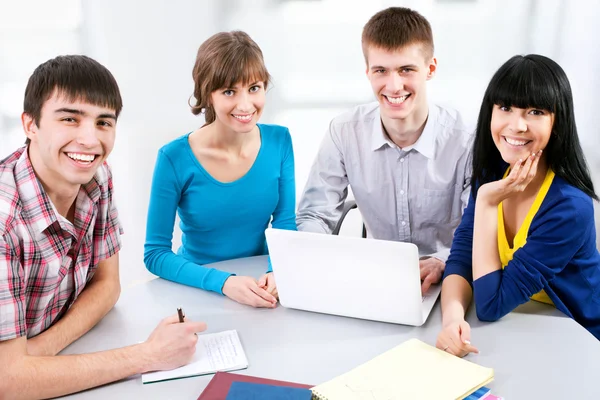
(221, 351)
(412, 370)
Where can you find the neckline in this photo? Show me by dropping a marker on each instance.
(212, 178)
(535, 206)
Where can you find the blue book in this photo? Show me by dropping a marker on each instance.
(260, 391)
(478, 394)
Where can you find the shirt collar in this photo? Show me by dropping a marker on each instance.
(36, 204)
(426, 142)
(378, 137)
(424, 145)
(38, 207)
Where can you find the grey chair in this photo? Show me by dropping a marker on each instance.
(348, 205)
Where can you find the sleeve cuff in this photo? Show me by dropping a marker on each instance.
(486, 286)
(215, 280)
(441, 255)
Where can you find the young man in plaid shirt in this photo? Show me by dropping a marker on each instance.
(60, 241)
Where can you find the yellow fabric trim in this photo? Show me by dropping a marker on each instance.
(506, 252)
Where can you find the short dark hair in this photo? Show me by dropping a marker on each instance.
(532, 81)
(397, 27)
(224, 59)
(75, 77)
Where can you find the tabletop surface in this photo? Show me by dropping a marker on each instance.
(535, 351)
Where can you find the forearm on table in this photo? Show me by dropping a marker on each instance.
(96, 300)
(44, 377)
(173, 267)
(456, 297)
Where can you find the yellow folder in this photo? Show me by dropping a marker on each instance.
(412, 370)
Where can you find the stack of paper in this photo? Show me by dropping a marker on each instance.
(214, 352)
(412, 370)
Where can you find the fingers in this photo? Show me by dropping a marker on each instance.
(262, 282)
(534, 164)
(523, 172)
(426, 284)
(514, 171)
(271, 286)
(190, 325)
(196, 327)
(445, 343)
(456, 347)
(455, 339)
(264, 298)
(465, 337)
(424, 268)
(469, 348)
(465, 333)
(434, 276)
(424, 272)
(171, 319)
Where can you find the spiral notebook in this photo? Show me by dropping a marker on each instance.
(407, 372)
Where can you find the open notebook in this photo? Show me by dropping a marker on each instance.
(412, 370)
(221, 351)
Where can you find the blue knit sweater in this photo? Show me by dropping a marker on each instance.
(219, 221)
(560, 256)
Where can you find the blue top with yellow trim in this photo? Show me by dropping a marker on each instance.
(554, 258)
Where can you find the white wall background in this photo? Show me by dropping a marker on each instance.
(312, 49)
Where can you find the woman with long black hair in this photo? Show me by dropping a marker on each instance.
(528, 231)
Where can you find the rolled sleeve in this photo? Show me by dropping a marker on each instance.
(112, 228)
(326, 190)
(12, 294)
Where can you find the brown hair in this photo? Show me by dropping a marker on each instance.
(397, 27)
(224, 60)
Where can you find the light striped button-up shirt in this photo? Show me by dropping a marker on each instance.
(416, 194)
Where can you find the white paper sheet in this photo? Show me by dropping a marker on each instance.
(215, 352)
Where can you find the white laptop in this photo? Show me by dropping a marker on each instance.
(362, 278)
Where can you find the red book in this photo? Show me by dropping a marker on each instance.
(219, 385)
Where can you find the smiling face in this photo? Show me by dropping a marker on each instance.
(398, 79)
(72, 140)
(519, 132)
(239, 108)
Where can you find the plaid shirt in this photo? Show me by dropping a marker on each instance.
(45, 260)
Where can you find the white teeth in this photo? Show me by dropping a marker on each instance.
(81, 157)
(516, 142)
(397, 100)
(244, 118)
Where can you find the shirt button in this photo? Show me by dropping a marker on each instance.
(402, 192)
(403, 223)
(402, 160)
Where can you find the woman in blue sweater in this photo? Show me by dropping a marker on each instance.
(528, 231)
(226, 180)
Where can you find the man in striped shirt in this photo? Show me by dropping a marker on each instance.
(60, 239)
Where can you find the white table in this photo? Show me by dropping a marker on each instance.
(536, 351)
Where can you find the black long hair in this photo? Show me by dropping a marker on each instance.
(532, 81)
